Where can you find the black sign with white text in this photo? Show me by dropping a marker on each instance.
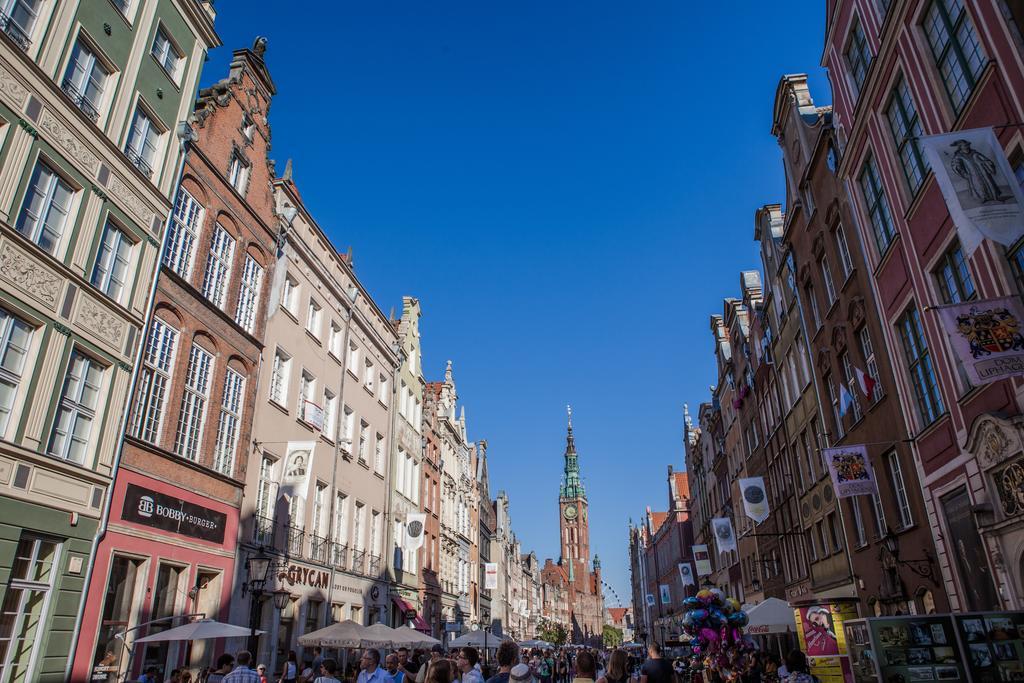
(168, 513)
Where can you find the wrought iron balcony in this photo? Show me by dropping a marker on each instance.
(339, 556)
(80, 100)
(263, 531)
(318, 549)
(373, 566)
(15, 32)
(295, 540)
(358, 561)
(138, 162)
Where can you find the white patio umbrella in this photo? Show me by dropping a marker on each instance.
(201, 629)
(477, 638)
(770, 616)
(536, 643)
(413, 638)
(343, 634)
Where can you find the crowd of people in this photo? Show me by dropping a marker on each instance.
(511, 664)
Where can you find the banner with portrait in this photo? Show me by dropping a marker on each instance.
(851, 471)
(666, 594)
(686, 574)
(650, 600)
(755, 498)
(701, 559)
(725, 539)
(490, 575)
(986, 337)
(980, 189)
(298, 468)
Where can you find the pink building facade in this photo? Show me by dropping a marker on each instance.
(899, 71)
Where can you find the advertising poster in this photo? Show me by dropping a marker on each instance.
(977, 182)
(918, 648)
(995, 645)
(986, 337)
(819, 628)
(851, 471)
(702, 559)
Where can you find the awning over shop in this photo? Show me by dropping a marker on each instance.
(419, 623)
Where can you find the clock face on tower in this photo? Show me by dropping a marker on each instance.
(569, 512)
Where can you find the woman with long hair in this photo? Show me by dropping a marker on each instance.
(617, 671)
(439, 672)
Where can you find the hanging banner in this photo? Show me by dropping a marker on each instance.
(298, 467)
(978, 184)
(725, 539)
(490, 575)
(650, 600)
(986, 337)
(686, 574)
(702, 559)
(666, 594)
(414, 522)
(851, 471)
(755, 498)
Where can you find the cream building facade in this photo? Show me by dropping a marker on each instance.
(316, 492)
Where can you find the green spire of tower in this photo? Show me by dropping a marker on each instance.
(572, 485)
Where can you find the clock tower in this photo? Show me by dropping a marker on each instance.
(572, 506)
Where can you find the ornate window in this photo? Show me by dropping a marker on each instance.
(153, 382)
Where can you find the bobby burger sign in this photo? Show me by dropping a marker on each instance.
(154, 509)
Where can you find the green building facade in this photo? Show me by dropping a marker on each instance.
(91, 93)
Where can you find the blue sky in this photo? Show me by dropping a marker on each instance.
(568, 187)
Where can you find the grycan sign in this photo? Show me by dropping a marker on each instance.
(160, 511)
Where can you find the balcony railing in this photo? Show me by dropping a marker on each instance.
(339, 556)
(263, 531)
(15, 32)
(295, 540)
(358, 561)
(373, 566)
(80, 100)
(318, 549)
(138, 162)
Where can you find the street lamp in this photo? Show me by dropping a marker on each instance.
(281, 598)
(890, 557)
(257, 567)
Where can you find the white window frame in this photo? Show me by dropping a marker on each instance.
(192, 416)
(154, 380)
(115, 248)
(229, 426)
(249, 291)
(314, 318)
(238, 173)
(167, 54)
(844, 252)
(45, 183)
(27, 586)
(219, 263)
(186, 223)
(903, 510)
(143, 143)
(279, 376)
(14, 356)
(81, 75)
(73, 403)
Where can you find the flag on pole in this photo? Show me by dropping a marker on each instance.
(845, 399)
(867, 383)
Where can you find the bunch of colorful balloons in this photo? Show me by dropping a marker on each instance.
(714, 621)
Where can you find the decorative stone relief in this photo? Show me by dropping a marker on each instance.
(65, 139)
(993, 440)
(12, 87)
(100, 321)
(29, 275)
(120, 191)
